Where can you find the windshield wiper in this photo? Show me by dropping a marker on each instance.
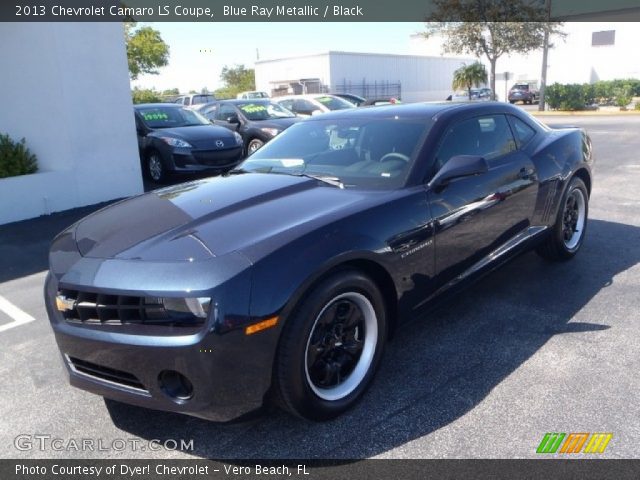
(331, 180)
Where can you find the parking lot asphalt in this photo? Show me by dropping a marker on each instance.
(533, 348)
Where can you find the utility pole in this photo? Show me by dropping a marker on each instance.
(545, 53)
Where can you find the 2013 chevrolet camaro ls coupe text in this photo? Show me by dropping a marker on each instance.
(283, 280)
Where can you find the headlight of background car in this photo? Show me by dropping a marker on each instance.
(271, 131)
(238, 138)
(175, 142)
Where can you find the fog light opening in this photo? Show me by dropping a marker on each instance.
(175, 385)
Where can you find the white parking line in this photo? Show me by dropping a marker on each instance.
(19, 317)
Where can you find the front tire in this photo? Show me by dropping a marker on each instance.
(254, 145)
(154, 167)
(568, 232)
(331, 347)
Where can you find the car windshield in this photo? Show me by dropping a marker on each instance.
(333, 103)
(169, 117)
(264, 111)
(520, 87)
(373, 153)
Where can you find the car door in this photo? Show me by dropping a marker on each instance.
(473, 216)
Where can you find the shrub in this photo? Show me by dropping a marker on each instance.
(623, 96)
(637, 107)
(566, 97)
(145, 95)
(15, 158)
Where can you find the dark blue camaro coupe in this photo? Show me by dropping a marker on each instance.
(283, 280)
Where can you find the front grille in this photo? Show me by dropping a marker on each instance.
(217, 158)
(106, 374)
(100, 309)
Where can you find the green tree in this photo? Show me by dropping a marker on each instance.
(146, 51)
(468, 76)
(236, 79)
(507, 26)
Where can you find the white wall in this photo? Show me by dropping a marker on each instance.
(293, 68)
(66, 90)
(422, 78)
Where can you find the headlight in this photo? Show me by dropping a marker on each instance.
(238, 138)
(271, 131)
(175, 142)
(176, 307)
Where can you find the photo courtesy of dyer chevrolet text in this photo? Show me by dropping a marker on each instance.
(128, 471)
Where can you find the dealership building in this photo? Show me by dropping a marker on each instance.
(412, 78)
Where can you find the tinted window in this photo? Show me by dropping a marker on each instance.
(522, 131)
(225, 111)
(488, 136)
(362, 152)
(288, 104)
(187, 101)
(198, 99)
(334, 103)
(304, 106)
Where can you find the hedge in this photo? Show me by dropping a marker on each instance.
(579, 96)
(15, 158)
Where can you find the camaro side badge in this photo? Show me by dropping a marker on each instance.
(63, 303)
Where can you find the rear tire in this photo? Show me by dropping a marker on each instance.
(331, 347)
(567, 234)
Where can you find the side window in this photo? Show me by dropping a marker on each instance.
(187, 100)
(522, 131)
(489, 136)
(302, 105)
(224, 112)
(288, 104)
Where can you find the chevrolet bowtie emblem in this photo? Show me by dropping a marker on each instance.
(63, 303)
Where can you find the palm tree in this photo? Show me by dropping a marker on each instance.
(468, 76)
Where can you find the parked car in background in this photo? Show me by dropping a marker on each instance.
(257, 121)
(313, 104)
(194, 99)
(173, 139)
(251, 95)
(524, 92)
(380, 101)
(477, 94)
(357, 100)
(292, 271)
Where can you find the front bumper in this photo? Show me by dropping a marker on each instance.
(192, 160)
(229, 372)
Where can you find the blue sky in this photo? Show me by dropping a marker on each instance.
(200, 50)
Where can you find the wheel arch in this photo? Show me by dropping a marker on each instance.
(584, 175)
(371, 268)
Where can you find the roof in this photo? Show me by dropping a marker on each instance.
(414, 110)
(367, 54)
(174, 105)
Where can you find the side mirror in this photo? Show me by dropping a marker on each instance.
(233, 119)
(458, 167)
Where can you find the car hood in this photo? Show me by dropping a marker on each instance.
(211, 217)
(197, 135)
